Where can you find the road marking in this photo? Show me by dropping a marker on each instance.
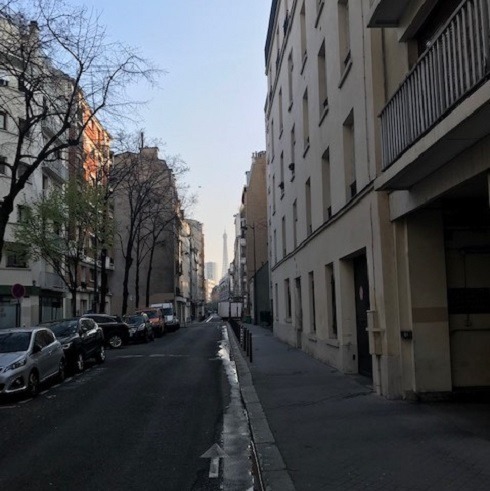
(7, 407)
(215, 453)
(130, 356)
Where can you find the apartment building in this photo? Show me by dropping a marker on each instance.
(253, 225)
(434, 103)
(147, 225)
(92, 161)
(377, 131)
(196, 269)
(20, 131)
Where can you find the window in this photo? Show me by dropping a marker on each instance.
(322, 81)
(290, 79)
(349, 156)
(273, 194)
(309, 227)
(302, 23)
(272, 140)
(298, 304)
(326, 191)
(292, 165)
(24, 128)
(275, 246)
(21, 169)
(21, 213)
(276, 298)
(40, 340)
(287, 299)
(3, 120)
(295, 224)
(311, 282)
(344, 34)
(3, 166)
(16, 260)
(331, 302)
(283, 236)
(281, 174)
(306, 122)
(280, 114)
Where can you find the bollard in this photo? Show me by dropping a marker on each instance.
(251, 349)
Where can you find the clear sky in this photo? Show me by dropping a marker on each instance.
(209, 107)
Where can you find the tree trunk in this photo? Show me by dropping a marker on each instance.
(73, 301)
(137, 277)
(148, 276)
(6, 209)
(103, 280)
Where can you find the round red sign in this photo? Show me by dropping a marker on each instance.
(18, 290)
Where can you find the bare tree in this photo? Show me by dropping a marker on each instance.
(149, 198)
(53, 57)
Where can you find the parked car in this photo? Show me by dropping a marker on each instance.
(81, 339)
(28, 357)
(139, 327)
(157, 320)
(116, 331)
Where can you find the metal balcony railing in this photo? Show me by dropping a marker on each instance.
(453, 66)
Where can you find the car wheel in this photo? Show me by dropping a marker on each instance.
(79, 363)
(100, 356)
(33, 384)
(115, 341)
(61, 371)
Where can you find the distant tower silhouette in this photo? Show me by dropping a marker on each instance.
(224, 268)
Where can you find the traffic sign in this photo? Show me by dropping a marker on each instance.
(18, 290)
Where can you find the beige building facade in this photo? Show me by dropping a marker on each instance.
(378, 226)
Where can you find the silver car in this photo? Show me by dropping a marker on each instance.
(28, 357)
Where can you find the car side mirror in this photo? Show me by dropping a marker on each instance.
(36, 348)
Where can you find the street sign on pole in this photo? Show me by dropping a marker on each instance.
(18, 291)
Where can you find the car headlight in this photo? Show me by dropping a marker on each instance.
(16, 364)
(67, 345)
(141, 327)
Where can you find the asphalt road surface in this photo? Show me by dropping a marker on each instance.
(141, 420)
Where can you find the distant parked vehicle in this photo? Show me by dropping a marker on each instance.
(157, 321)
(172, 322)
(116, 331)
(28, 357)
(139, 327)
(81, 339)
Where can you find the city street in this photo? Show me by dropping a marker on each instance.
(141, 420)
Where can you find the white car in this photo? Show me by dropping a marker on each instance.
(28, 357)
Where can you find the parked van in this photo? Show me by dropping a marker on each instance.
(172, 323)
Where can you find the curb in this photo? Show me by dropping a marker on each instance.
(271, 464)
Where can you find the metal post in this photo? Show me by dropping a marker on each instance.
(250, 355)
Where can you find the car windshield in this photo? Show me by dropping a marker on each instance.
(64, 328)
(150, 314)
(134, 319)
(10, 342)
(167, 311)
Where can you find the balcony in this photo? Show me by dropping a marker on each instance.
(56, 169)
(442, 107)
(386, 13)
(51, 281)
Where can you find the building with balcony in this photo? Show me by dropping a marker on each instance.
(433, 98)
(378, 208)
(22, 131)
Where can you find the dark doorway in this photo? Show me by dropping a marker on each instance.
(361, 286)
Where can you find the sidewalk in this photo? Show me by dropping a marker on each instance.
(317, 429)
